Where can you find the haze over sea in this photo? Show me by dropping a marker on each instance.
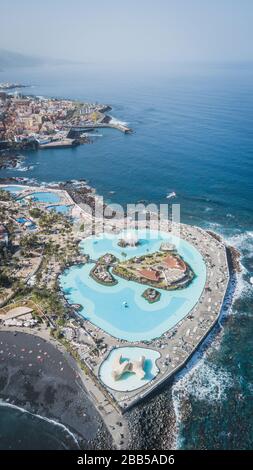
(193, 135)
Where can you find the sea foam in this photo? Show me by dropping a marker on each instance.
(44, 418)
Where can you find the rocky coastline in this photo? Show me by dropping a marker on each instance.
(153, 424)
(10, 160)
(233, 255)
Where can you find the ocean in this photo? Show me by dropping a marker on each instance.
(193, 134)
(40, 432)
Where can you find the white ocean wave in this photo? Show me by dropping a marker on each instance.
(243, 286)
(200, 379)
(213, 226)
(242, 241)
(48, 420)
(205, 382)
(117, 121)
(24, 168)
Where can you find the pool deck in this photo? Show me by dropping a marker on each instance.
(178, 344)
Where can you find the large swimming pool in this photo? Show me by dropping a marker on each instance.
(46, 197)
(105, 307)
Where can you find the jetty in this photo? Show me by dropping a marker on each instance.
(114, 125)
(64, 143)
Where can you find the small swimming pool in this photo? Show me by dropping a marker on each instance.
(60, 209)
(46, 197)
(128, 380)
(13, 189)
(22, 220)
(105, 306)
(30, 225)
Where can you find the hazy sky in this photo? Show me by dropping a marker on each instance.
(138, 30)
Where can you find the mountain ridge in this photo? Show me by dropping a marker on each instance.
(11, 59)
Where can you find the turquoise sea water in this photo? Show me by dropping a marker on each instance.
(105, 307)
(193, 135)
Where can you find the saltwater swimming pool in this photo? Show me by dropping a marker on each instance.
(13, 189)
(105, 307)
(129, 381)
(60, 209)
(46, 197)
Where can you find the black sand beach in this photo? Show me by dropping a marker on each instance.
(36, 376)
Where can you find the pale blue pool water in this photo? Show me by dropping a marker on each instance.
(45, 197)
(60, 209)
(13, 189)
(129, 381)
(104, 305)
